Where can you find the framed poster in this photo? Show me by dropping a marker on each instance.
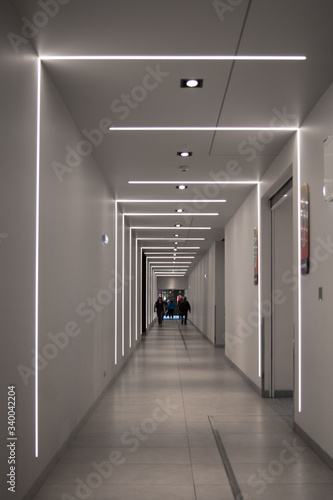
(305, 235)
(255, 250)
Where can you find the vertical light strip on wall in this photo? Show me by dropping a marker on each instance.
(115, 285)
(299, 271)
(123, 290)
(130, 291)
(37, 252)
(146, 296)
(259, 279)
(136, 289)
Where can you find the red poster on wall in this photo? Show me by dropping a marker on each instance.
(305, 235)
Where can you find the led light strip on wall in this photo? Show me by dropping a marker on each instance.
(37, 252)
(38, 147)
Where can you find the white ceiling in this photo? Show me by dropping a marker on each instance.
(234, 94)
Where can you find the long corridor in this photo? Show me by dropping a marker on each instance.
(180, 423)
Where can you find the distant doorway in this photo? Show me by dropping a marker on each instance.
(174, 295)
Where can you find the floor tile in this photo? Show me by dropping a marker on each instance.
(150, 437)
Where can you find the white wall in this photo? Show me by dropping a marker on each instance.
(77, 277)
(202, 293)
(315, 417)
(317, 317)
(17, 243)
(240, 292)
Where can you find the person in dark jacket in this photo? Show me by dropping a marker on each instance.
(160, 310)
(184, 309)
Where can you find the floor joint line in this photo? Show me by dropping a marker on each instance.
(227, 465)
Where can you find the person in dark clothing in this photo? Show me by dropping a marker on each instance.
(160, 310)
(184, 309)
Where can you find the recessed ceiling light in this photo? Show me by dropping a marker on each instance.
(191, 83)
(178, 224)
(179, 210)
(176, 235)
(176, 242)
(181, 186)
(184, 154)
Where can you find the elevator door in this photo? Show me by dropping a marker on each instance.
(282, 355)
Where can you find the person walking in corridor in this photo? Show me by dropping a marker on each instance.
(184, 309)
(160, 310)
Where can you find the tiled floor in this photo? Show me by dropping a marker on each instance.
(151, 438)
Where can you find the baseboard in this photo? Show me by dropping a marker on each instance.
(245, 377)
(322, 454)
(283, 394)
(48, 469)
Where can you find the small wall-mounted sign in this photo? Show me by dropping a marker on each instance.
(305, 235)
(255, 251)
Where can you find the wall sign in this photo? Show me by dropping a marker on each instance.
(305, 235)
(255, 249)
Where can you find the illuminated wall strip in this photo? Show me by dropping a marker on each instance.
(259, 282)
(146, 293)
(130, 292)
(136, 289)
(140, 289)
(115, 285)
(37, 254)
(299, 271)
(175, 58)
(123, 289)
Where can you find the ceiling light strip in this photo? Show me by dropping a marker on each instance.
(175, 58)
(170, 201)
(193, 182)
(182, 214)
(169, 227)
(171, 248)
(172, 239)
(203, 129)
